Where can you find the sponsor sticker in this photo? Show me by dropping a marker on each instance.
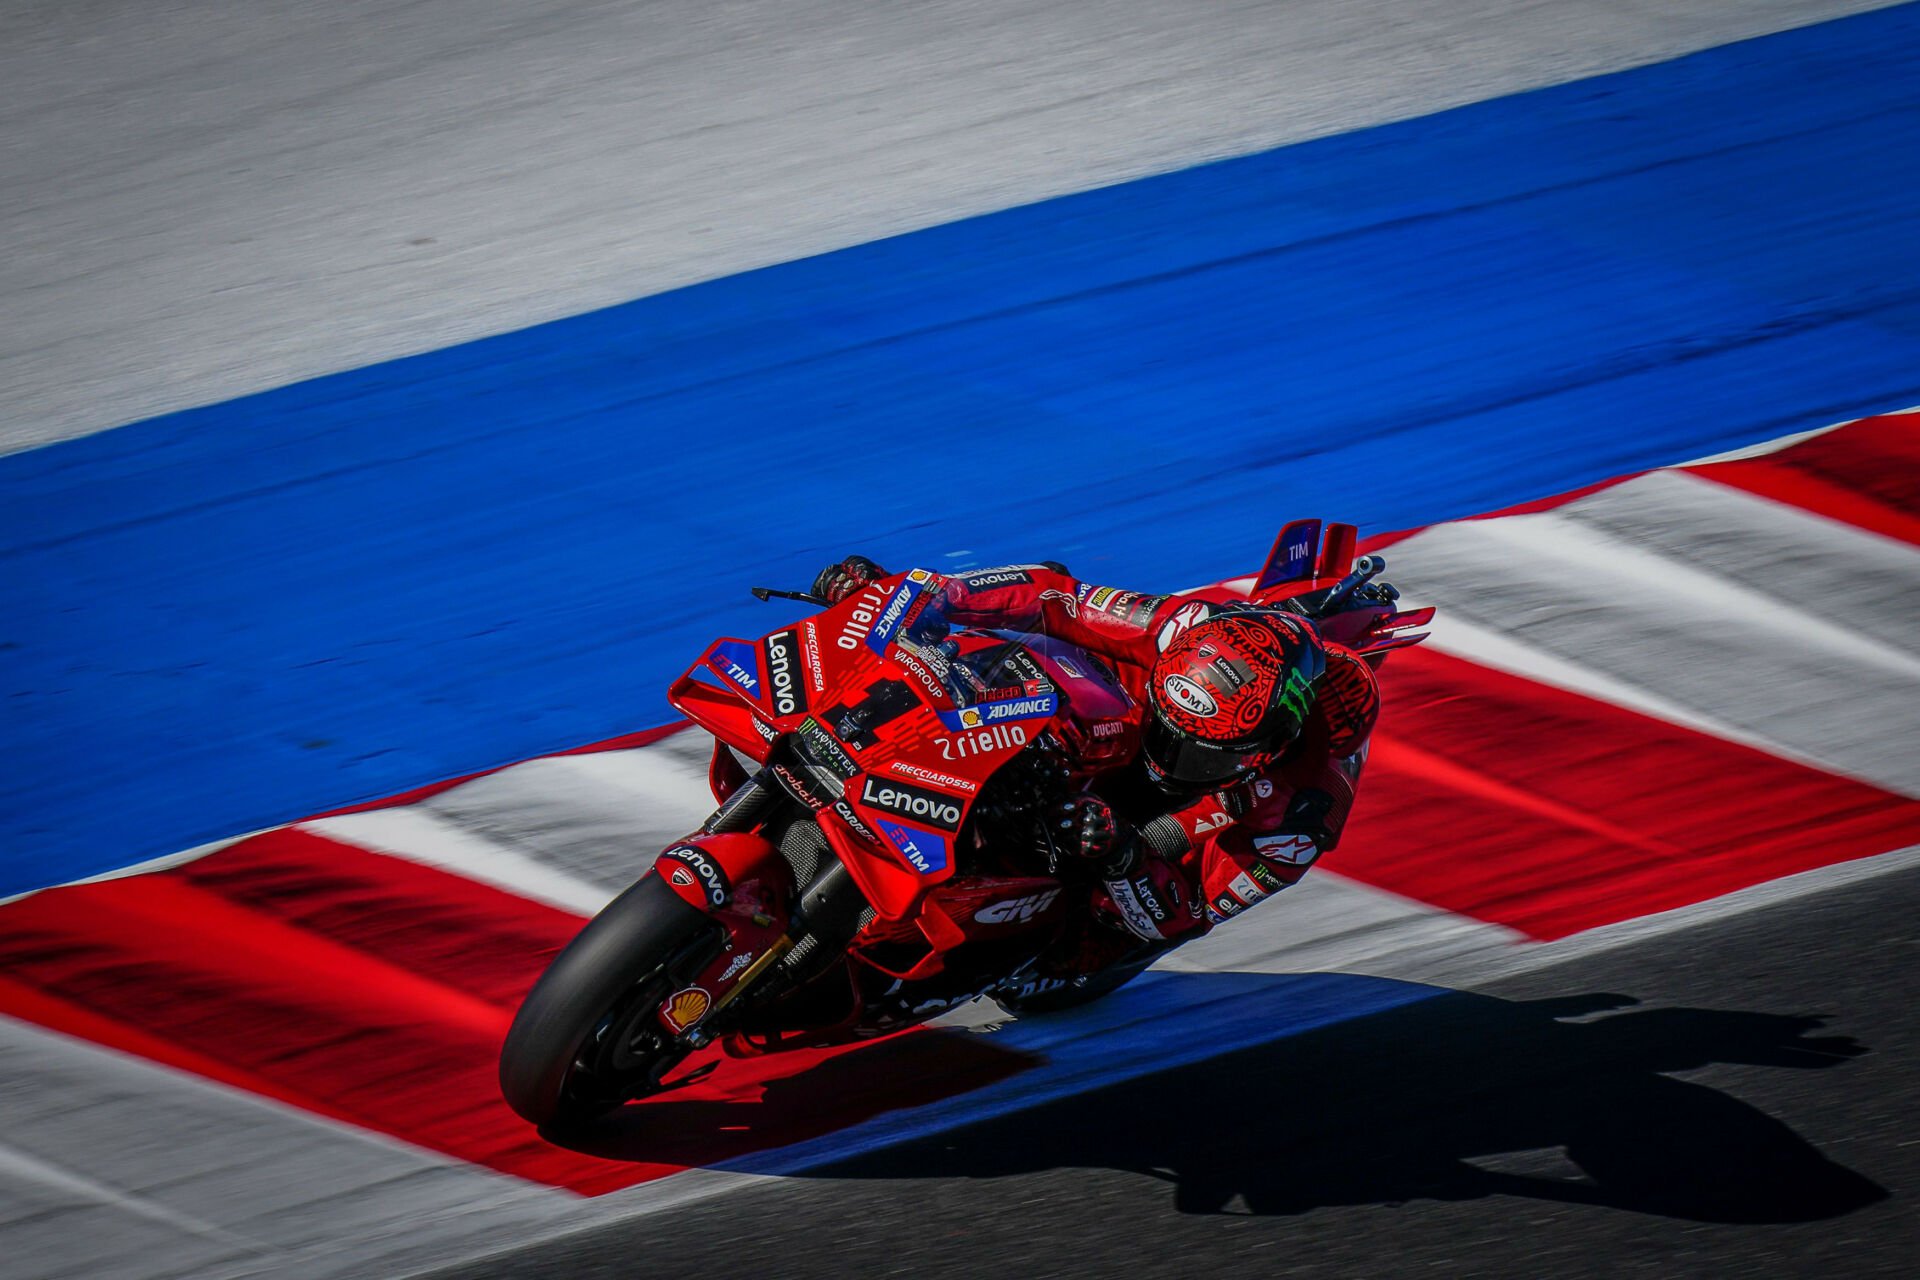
(1190, 697)
(1230, 672)
(825, 749)
(860, 618)
(1224, 907)
(1135, 915)
(816, 675)
(1297, 695)
(1264, 877)
(1294, 850)
(1205, 822)
(986, 579)
(1144, 894)
(1016, 910)
(894, 613)
(924, 851)
(735, 965)
(786, 690)
(1243, 888)
(1184, 619)
(1144, 608)
(911, 661)
(799, 788)
(999, 737)
(923, 774)
(909, 801)
(738, 664)
(685, 1007)
(852, 819)
(711, 878)
(1098, 597)
(1034, 707)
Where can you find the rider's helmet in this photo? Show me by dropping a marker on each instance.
(1228, 695)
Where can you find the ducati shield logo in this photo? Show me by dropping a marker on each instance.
(695, 862)
(1190, 696)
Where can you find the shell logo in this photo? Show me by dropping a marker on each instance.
(684, 1008)
(970, 718)
(918, 575)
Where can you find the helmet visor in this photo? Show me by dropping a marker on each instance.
(1186, 759)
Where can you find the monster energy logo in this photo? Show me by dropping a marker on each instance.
(1296, 695)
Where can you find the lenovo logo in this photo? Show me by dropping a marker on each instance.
(909, 801)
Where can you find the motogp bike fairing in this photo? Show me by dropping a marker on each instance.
(882, 862)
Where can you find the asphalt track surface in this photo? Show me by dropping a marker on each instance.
(1730, 1097)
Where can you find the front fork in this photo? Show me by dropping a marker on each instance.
(776, 939)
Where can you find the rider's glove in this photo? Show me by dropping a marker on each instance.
(1086, 831)
(840, 580)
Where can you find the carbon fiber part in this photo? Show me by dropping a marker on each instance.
(744, 808)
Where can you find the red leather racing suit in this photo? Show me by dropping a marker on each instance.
(1211, 856)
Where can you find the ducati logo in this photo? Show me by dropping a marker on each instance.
(691, 866)
(1016, 910)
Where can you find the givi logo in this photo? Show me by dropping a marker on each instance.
(1016, 910)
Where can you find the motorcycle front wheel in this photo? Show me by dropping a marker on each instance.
(585, 1039)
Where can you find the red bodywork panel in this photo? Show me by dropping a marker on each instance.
(898, 745)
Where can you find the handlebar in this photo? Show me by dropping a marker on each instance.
(768, 593)
(1365, 569)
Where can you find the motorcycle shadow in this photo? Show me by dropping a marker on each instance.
(1452, 1098)
(755, 1105)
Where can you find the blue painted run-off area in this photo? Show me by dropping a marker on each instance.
(238, 615)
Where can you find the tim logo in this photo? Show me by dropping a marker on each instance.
(1016, 910)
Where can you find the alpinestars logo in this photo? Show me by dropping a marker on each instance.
(913, 802)
(784, 685)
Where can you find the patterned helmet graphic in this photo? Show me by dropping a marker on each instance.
(1230, 694)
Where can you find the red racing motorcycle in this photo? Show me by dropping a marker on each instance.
(882, 863)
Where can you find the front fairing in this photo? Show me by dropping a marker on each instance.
(895, 721)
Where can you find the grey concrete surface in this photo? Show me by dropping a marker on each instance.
(201, 198)
(1730, 1100)
(110, 1166)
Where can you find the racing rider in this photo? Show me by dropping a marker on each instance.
(1253, 733)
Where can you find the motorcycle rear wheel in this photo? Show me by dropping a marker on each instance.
(571, 1054)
